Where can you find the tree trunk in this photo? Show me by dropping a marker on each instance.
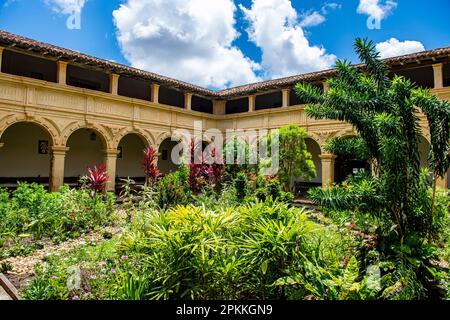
(433, 200)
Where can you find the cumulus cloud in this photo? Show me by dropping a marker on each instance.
(315, 18)
(66, 6)
(394, 47)
(312, 19)
(375, 9)
(191, 40)
(274, 27)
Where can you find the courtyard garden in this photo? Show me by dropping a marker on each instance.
(230, 231)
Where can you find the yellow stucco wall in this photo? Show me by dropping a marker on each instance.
(61, 110)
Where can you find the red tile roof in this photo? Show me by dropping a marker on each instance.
(22, 43)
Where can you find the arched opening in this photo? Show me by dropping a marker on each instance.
(130, 157)
(165, 162)
(303, 186)
(85, 150)
(347, 164)
(25, 154)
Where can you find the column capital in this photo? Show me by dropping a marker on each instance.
(59, 150)
(110, 153)
(328, 157)
(62, 63)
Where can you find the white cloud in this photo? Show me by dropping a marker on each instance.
(274, 27)
(311, 20)
(191, 40)
(330, 5)
(394, 47)
(315, 18)
(376, 10)
(66, 6)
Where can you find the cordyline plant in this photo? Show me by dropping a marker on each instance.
(151, 170)
(386, 114)
(216, 168)
(201, 172)
(97, 179)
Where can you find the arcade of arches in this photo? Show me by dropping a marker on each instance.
(28, 153)
(59, 117)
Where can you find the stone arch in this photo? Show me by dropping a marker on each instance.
(164, 136)
(317, 139)
(72, 128)
(315, 149)
(161, 137)
(85, 150)
(45, 124)
(165, 145)
(346, 133)
(130, 156)
(144, 136)
(25, 151)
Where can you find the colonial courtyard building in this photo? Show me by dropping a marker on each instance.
(62, 110)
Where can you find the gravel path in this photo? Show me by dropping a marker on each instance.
(23, 267)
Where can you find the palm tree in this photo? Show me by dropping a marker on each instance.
(385, 112)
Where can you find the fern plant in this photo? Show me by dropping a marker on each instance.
(385, 112)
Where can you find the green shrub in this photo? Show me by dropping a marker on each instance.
(270, 187)
(235, 253)
(60, 215)
(241, 185)
(173, 189)
(360, 192)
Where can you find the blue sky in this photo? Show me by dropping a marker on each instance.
(222, 43)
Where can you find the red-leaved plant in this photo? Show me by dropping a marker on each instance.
(97, 179)
(216, 168)
(201, 173)
(151, 170)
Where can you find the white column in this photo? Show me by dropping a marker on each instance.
(57, 167)
(188, 101)
(251, 103)
(285, 93)
(219, 107)
(110, 163)
(438, 75)
(327, 168)
(114, 83)
(62, 72)
(155, 93)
